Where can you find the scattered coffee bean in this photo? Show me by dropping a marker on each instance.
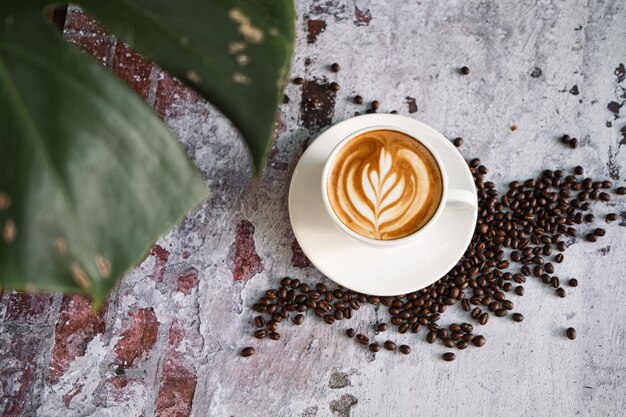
(350, 332)
(570, 333)
(285, 99)
(245, 352)
(458, 142)
(362, 339)
(374, 347)
(566, 139)
(579, 170)
(514, 127)
(484, 318)
(573, 143)
(404, 349)
(591, 237)
(573, 282)
(334, 86)
(620, 191)
(272, 325)
(560, 292)
(599, 232)
(501, 312)
(374, 105)
(298, 81)
(335, 67)
(431, 337)
(465, 70)
(274, 335)
(519, 290)
(389, 345)
(298, 319)
(358, 99)
(259, 322)
(382, 327)
(611, 217)
(448, 356)
(518, 317)
(479, 341)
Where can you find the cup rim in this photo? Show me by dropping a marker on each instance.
(367, 240)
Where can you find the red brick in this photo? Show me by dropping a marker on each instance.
(133, 69)
(119, 389)
(177, 387)
(18, 358)
(187, 282)
(77, 326)
(169, 93)
(161, 256)
(139, 334)
(87, 34)
(29, 308)
(247, 263)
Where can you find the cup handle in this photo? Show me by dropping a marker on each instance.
(460, 199)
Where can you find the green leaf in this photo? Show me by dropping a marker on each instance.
(236, 53)
(89, 176)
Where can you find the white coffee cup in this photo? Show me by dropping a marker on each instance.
(451, 199)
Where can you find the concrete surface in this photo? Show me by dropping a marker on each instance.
(175, 325)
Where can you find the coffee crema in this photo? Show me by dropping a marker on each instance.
(384, 185)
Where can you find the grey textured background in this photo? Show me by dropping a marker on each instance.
(407, 49)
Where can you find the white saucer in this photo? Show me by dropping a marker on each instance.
(374, 270)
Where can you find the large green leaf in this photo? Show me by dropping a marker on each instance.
(236, 53)
(89, 176)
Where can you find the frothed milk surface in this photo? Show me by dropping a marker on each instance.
(384, 185)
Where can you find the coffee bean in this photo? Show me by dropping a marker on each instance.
(560, 292)
(462, 344)
(298, 319)
(620, 191)
(335, 67)
(274, 335)
(565, 139)
(404, 349)
(334, 86)
(329, 319)
(519, 290)
(374, 105)
(245, 352)
(389, 345)
(484, 318)
(259, 322)
(358, 99)
(599, 232)
(298, 81)
(374, 347)
(362, 339)
(570, 333)
(573, 143)
(579, 170)
(458, 142)
(465, 305)
(590, 237)
(501, 312)
(611, 217)
(285, 99)
(465, 70)
(448, 356)
(549, 268)
(350, 332)
(260, 334)
(573, 282)
(558, 258)
(431, 337)
(479, 341)
(507, 304)
(272, 325)
(382, 327)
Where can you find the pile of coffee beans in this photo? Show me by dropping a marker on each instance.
(519, 235)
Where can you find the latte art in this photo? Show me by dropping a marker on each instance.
(384, 185)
